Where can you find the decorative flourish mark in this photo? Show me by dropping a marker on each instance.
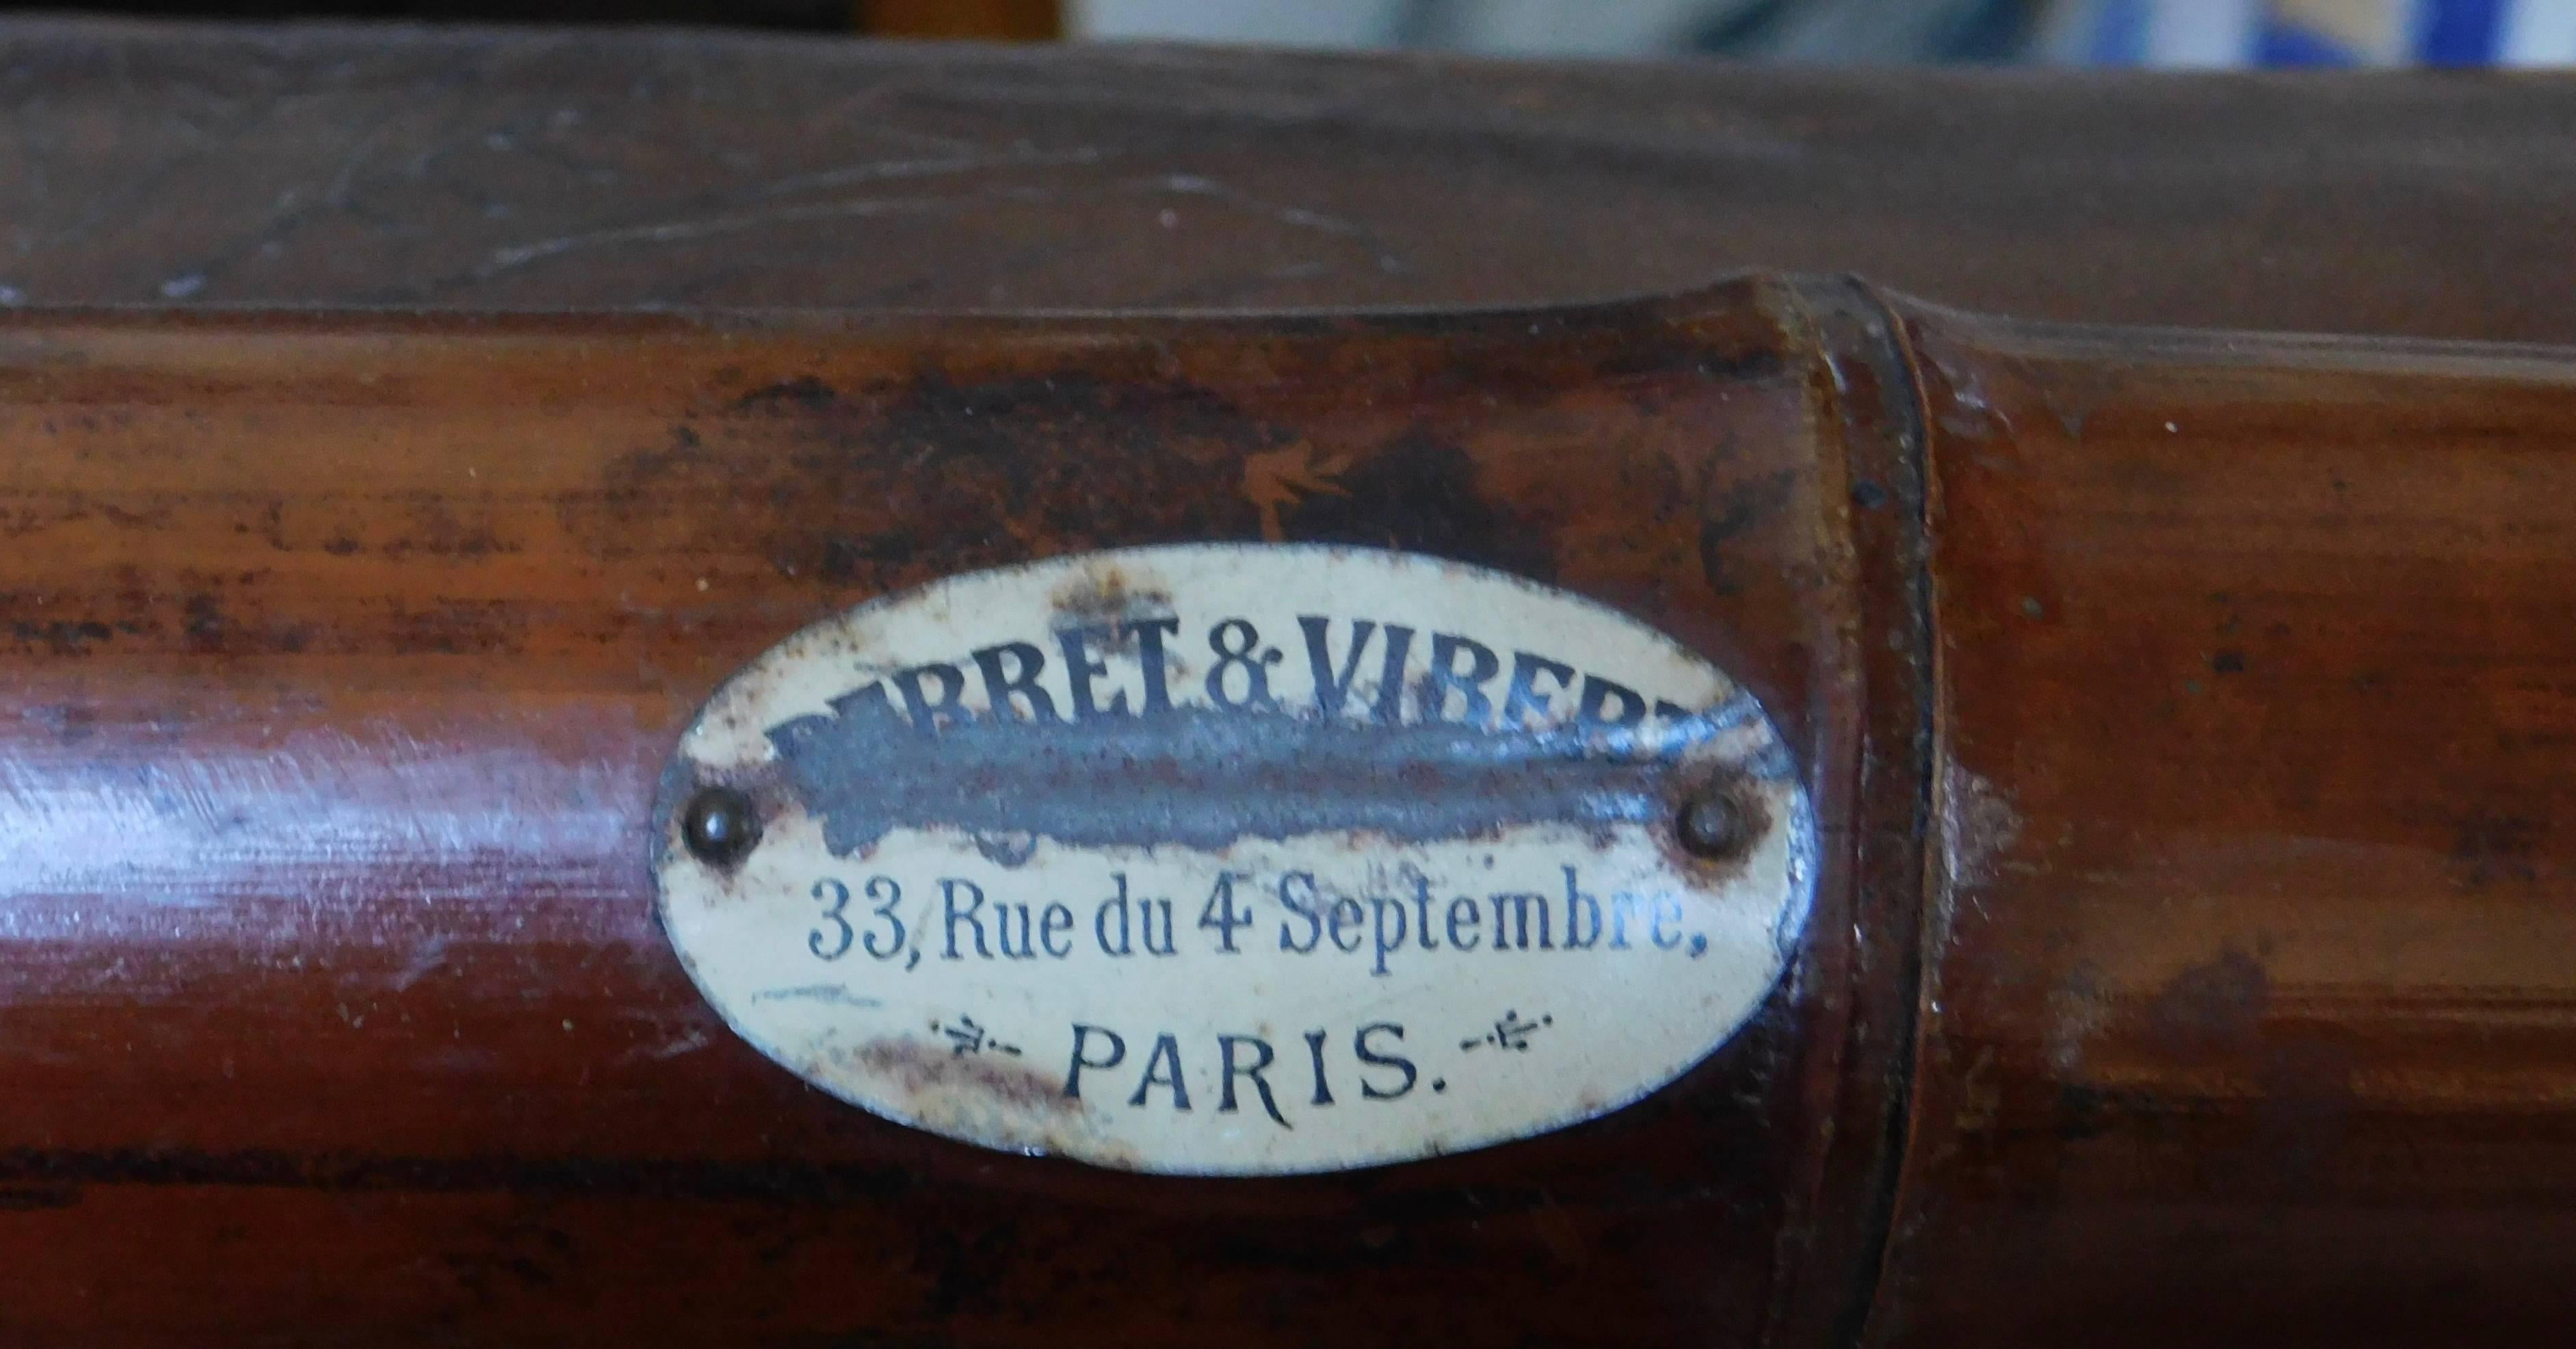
(965, 1037)
(1509, 1032)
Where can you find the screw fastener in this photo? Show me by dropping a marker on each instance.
(719, 826)
(1712, 825)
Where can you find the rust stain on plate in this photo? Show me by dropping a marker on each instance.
(1238, 859)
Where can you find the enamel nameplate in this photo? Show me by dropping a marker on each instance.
(1234, 859)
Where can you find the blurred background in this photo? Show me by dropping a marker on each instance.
(2185, 33)
(2156, 33)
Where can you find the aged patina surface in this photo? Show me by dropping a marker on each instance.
(197, 167)
(352, 653)
(2206, 698)
(1255, 879)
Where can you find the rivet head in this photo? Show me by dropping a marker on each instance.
(719, 826)
(1712, 825)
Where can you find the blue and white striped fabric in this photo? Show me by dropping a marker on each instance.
(2222, 33)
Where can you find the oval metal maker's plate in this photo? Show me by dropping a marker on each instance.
(1235, 859)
